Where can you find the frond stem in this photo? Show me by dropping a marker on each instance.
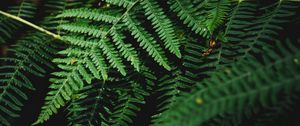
(56, 36)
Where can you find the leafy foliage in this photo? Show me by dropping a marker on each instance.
(207, 62)
(247, 87)
(31, 55)
(113, 102)
(26, 9)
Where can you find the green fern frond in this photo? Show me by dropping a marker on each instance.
(84, 28)
(53, 8)
(126, 107)
(147, 42)
(112, 56)
(26, 9)
(172, 86)
(8, 27)
(62, 89)
(239, 19)
(123, 3)
(163, 26)
(88, 102)
(211, 62)
(31, 54)
(190, 16)
(131, 97)
(99, 62)
(217, 13)
(127, 50)
(56, 7)
(91, 14)
(245, 84)
(266, 27)
(75, 70)
(80, 41)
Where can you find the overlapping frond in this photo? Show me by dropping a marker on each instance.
(217, 13)
(163, 25)
(240, 19)
(122, 3)
(190, 16)
(147, 42)
(131, 97)
(91, 101)
(265, 28)
(172, 86)
(71, 79)
(113, 42)
(248, 83)
(31, 55)
(8, 27)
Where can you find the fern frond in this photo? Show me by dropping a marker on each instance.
(112, 56)
(217, 13)
(123, 3)
(80, 41)
(126, 107)
(30, 56)
(239, 19)
(53, 8)
(245, 84)
(8, 27)
(26, 9)
(76, 71)
(266, 27)
(88, 102)
(98, 60)
(56, 7)
(127, 50)
(172, 86)
(62, 89)
(84, 28)
(163, 26)
(92, 14)
(147, 42)
(189, 15)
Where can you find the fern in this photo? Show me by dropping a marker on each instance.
(88, 103)
(127, 50)
(91, 14)
(130, 97)
(146, 41)
(69, 81)
(172, 86)
(205, 62)
(28, 57)
(122, 3)
(217, 13)
(163, 26)
(26, 10)
(189, 15)
(241, 18)
(266, 26)
(246, 88)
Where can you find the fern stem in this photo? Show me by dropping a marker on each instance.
(56, 36)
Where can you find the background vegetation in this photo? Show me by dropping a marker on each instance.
(150, 62)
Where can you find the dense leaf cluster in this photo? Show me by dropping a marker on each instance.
(212, 62)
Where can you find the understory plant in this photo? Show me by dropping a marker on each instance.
(200, 62)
